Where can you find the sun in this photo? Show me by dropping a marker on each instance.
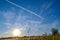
(16, 32)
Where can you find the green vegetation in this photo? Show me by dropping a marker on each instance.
(50, 38)
(54, 36)
(0, 38)
(55, 31)
(42, 38)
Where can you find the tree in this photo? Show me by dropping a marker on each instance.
(55, 31)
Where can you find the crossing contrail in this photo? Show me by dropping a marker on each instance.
(24, 9)
(49, 5)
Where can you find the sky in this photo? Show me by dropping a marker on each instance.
(32, 17)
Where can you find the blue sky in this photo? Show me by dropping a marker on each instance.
(36, 16)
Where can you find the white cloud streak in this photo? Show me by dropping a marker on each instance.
(46, 6)
(49, 5)
(34, 22)
(8, 15)
(54, 24)
(24, 9)
(7, 23)
(20, 18)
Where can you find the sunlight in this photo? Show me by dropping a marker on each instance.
(16, 32)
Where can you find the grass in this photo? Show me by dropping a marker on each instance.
(42, 38)
(38, 38)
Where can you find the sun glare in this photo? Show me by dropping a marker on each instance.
(16, 32)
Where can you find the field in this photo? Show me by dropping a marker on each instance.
(33, 38)
(42, 38)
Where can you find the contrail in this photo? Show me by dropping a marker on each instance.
(25, 9)
(50, 4)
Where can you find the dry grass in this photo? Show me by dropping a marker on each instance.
(37, 38)
(42, 38)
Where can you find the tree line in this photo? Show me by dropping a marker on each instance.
(54, 31)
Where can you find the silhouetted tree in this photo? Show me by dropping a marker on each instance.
(55, 31)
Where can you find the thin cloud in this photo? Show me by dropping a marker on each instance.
(8, 15)
(49, 5)
(25, 9)
(55, 24)
(20, 18)
(45, 6)
(32, 21)
(7, 23)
